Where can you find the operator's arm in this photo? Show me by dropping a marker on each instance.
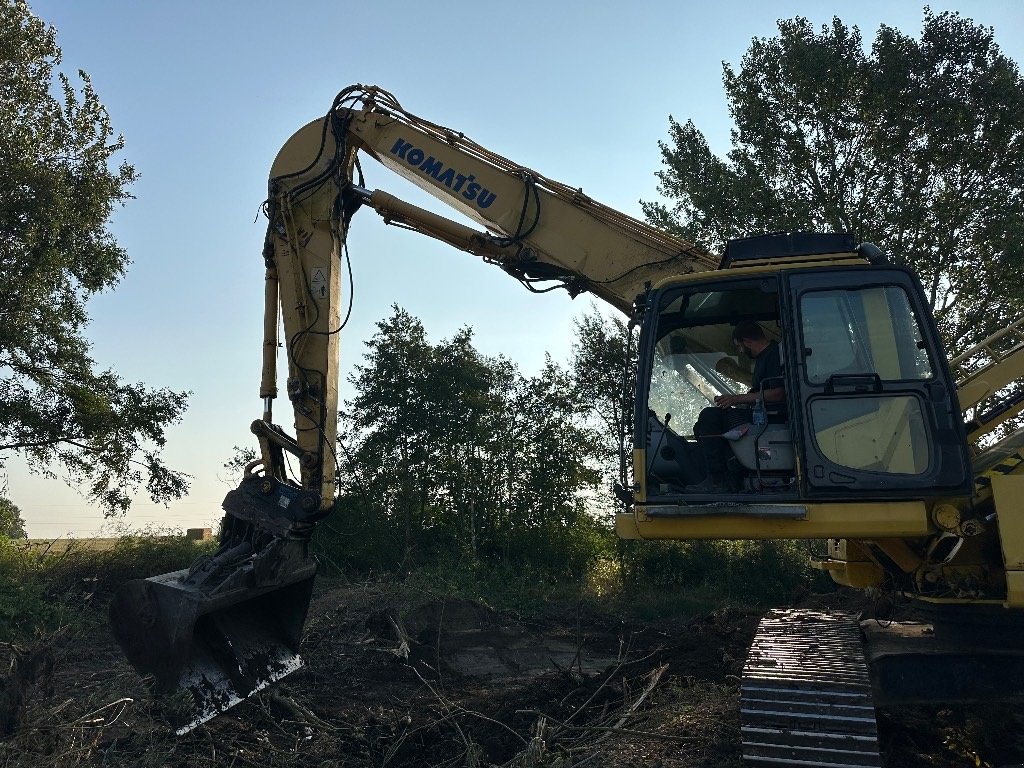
(767, 371)
(774, 395)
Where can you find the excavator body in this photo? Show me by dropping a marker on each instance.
(869, 439)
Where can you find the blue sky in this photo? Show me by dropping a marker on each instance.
(206, 92)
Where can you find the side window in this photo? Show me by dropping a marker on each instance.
(687, 373)
(693, 357)
(868, 330)
(827, 334)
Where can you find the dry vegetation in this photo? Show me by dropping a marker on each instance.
(407, 674)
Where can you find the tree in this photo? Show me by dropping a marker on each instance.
(600, 353)
(57, 193)
(416, 417)
(561, 451)
(11, 523)
(450, 452)
(916, 146)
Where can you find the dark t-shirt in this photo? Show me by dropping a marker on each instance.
(768, 365)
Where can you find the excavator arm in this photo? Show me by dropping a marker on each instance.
(231, 623)
(544, 233)
(537, 229)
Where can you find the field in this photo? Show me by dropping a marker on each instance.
(62, 545)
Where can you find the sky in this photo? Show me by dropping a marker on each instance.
(205, 93)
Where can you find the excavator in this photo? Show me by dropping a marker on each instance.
(879, 450)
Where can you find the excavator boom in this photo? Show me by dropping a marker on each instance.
(537, 229)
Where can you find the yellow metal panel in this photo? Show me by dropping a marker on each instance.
(857, 521)
(625, 527)
(1015, 589)
(859, 575)
(991, 378)
(640, 473)
(306, 260)
(773, 268)
(991, 424)
(1008, 493)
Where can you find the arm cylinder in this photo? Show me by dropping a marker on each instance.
(271, 313)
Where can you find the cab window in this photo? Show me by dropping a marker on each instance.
(862, 331)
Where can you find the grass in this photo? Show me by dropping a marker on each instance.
(45, 586)
(658, 580)
(53, 598)
(57, 546)
(49, 584)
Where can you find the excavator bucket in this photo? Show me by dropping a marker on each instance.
(221, 639)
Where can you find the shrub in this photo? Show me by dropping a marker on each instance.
(23, 604)
(359, 539)
(754, 573)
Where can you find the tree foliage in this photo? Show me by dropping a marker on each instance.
(57, 192)
(600, 353)
(916, 145)
(451, 452)
(11, 523)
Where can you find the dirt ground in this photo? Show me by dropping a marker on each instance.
(396, 678)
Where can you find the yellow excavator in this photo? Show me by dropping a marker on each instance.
(874, 445)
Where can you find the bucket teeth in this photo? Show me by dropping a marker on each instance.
(224, 673)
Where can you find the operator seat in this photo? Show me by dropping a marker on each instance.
(767, 447)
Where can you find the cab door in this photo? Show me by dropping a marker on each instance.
(877, 411)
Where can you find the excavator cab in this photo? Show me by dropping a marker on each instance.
(870, 409)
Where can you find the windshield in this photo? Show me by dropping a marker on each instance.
(695, 358)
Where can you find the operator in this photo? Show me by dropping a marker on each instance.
(732, 410)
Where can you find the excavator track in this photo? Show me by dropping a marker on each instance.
(805, 698)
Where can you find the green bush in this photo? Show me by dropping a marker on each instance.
(24, 606)
(41, 590)
(357, 540)
(557, 552)
(752, 573)
(530, 562)
(139, 556)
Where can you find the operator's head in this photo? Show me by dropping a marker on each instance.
(749, 338)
